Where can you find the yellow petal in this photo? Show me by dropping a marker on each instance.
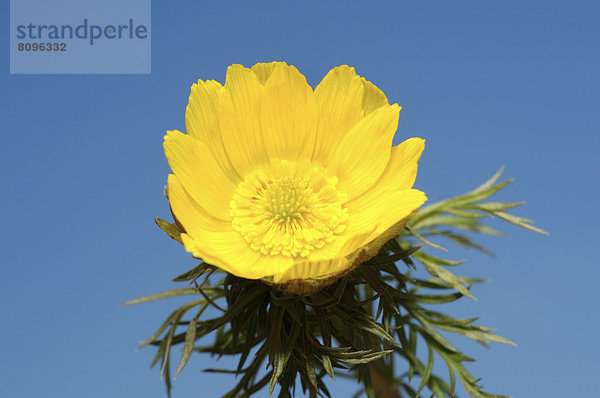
(201, 113)
(374, 98)
(305, 277)
(313, 270)
(226, 250)
(198, 171)
(273, 265)
(340, 102)
(341, 246)
(383, 204)
(202, 122)
(230, 252)
(318, 269)
(270, 112)
(288, 114)
(380, 237)
(390, 201)
(239, 119)
(363, 154)
(401, 171)
(189, 213)
(264, 69)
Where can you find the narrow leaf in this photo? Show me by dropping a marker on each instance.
(422, 239)
(427, 374)
(190, 338)
(158, 296)
(446, 276)
(172, 230)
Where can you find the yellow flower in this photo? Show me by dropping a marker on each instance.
(296, 186)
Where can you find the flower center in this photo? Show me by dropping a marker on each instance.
(289, 208)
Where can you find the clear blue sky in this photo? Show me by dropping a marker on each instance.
(512, 83)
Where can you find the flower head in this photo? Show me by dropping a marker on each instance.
(296, 186)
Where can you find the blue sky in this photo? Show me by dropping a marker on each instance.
(487, 84)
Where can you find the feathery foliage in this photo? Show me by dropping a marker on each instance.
(358, 327)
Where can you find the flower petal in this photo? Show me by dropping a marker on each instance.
(382, 236)
(340, 102)
(306, 278)
(199, 172)
(239, 119)
(337, 265)
(383, 204)
(401, 171)
(373, 99)
(390, 200)
(226, 250)
(341, 246)
(288, 114)
(264, 69)
(399, 175)
(189, 213)
(202, 122)
(230, 252)
(363, 154)
(201, 113)
(273, 265)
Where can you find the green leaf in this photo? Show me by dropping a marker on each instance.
(310, 371)
(190, 338)
(159, 353)
(427, 374)
(170, 319)
(462, 223)
(475, 333)
(245, 302)
(482, 192)
(437, 298)
(438, 283)
(422, 239)
(412, 348)
(446, 276)
(248, 343)
(429, 333)
(452, 379)
(169, 339)
(172, 230)
(494, 206)
(327, 365)
(385, 259)
(421, 255)
(366, 358)
(364, 312)
(521, 222)
(194, 273)
(460, 239)
(169, 293)
(279, 354)
(366, 323)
